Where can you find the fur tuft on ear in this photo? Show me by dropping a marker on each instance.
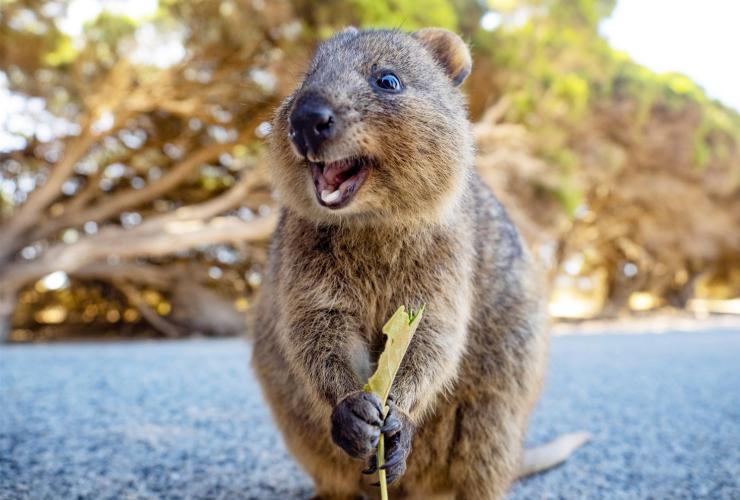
(350, 31)
(449, 50)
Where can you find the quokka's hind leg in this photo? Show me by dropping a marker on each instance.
(484, 459)
(334, 481)
(336, 496)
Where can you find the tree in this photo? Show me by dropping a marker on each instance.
(131, 152)
(159, 145)
(628, 180)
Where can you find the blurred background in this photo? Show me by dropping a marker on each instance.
(135, 199)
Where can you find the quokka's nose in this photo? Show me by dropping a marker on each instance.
(312, 123)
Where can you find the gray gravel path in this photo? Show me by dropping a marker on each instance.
(186, 420)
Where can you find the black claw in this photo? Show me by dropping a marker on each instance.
(390, 430)
(392, 425)
(393, 461)
(372, 466)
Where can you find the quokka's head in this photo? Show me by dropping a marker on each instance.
(377, 129)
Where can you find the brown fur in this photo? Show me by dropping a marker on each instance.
(422, 229)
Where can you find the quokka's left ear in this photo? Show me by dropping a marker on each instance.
(349, 30)
(449, 50)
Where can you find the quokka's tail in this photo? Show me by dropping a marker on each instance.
(552, 454)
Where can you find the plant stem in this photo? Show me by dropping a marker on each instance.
(381, 472)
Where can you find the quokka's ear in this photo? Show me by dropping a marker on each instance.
(449, 50)
(349, 30)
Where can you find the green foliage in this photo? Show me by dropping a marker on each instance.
(399, 329)
(404, 14)
(559, 73)
(325, 18)
(64, 53)
(583, 13)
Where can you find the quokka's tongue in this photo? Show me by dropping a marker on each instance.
(333, 172)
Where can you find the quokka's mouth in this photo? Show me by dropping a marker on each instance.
(337, 182)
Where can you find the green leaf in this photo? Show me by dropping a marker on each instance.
(399, 329)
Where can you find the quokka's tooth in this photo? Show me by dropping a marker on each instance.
(328, 197)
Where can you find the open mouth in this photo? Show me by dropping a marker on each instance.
(337, 182)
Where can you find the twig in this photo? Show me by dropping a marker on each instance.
(150, 315)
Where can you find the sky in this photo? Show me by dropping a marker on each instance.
(699, 38)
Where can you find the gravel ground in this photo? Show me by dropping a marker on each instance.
(186, 420)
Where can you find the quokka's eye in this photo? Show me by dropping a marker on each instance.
(389, 82)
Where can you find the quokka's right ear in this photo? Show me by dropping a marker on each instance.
(448, 50)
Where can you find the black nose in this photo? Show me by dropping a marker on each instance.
(312, 122)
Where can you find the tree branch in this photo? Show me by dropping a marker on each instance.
(151, 240)
(29, 213)
(150, 315)
(145, 274)
(128, 198)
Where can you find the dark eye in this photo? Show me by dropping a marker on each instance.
(389, 82)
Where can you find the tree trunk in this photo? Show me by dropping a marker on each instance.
(7, 306)
(200, 309)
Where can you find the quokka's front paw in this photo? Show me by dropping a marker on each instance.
(399, 432)
(356, 423)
